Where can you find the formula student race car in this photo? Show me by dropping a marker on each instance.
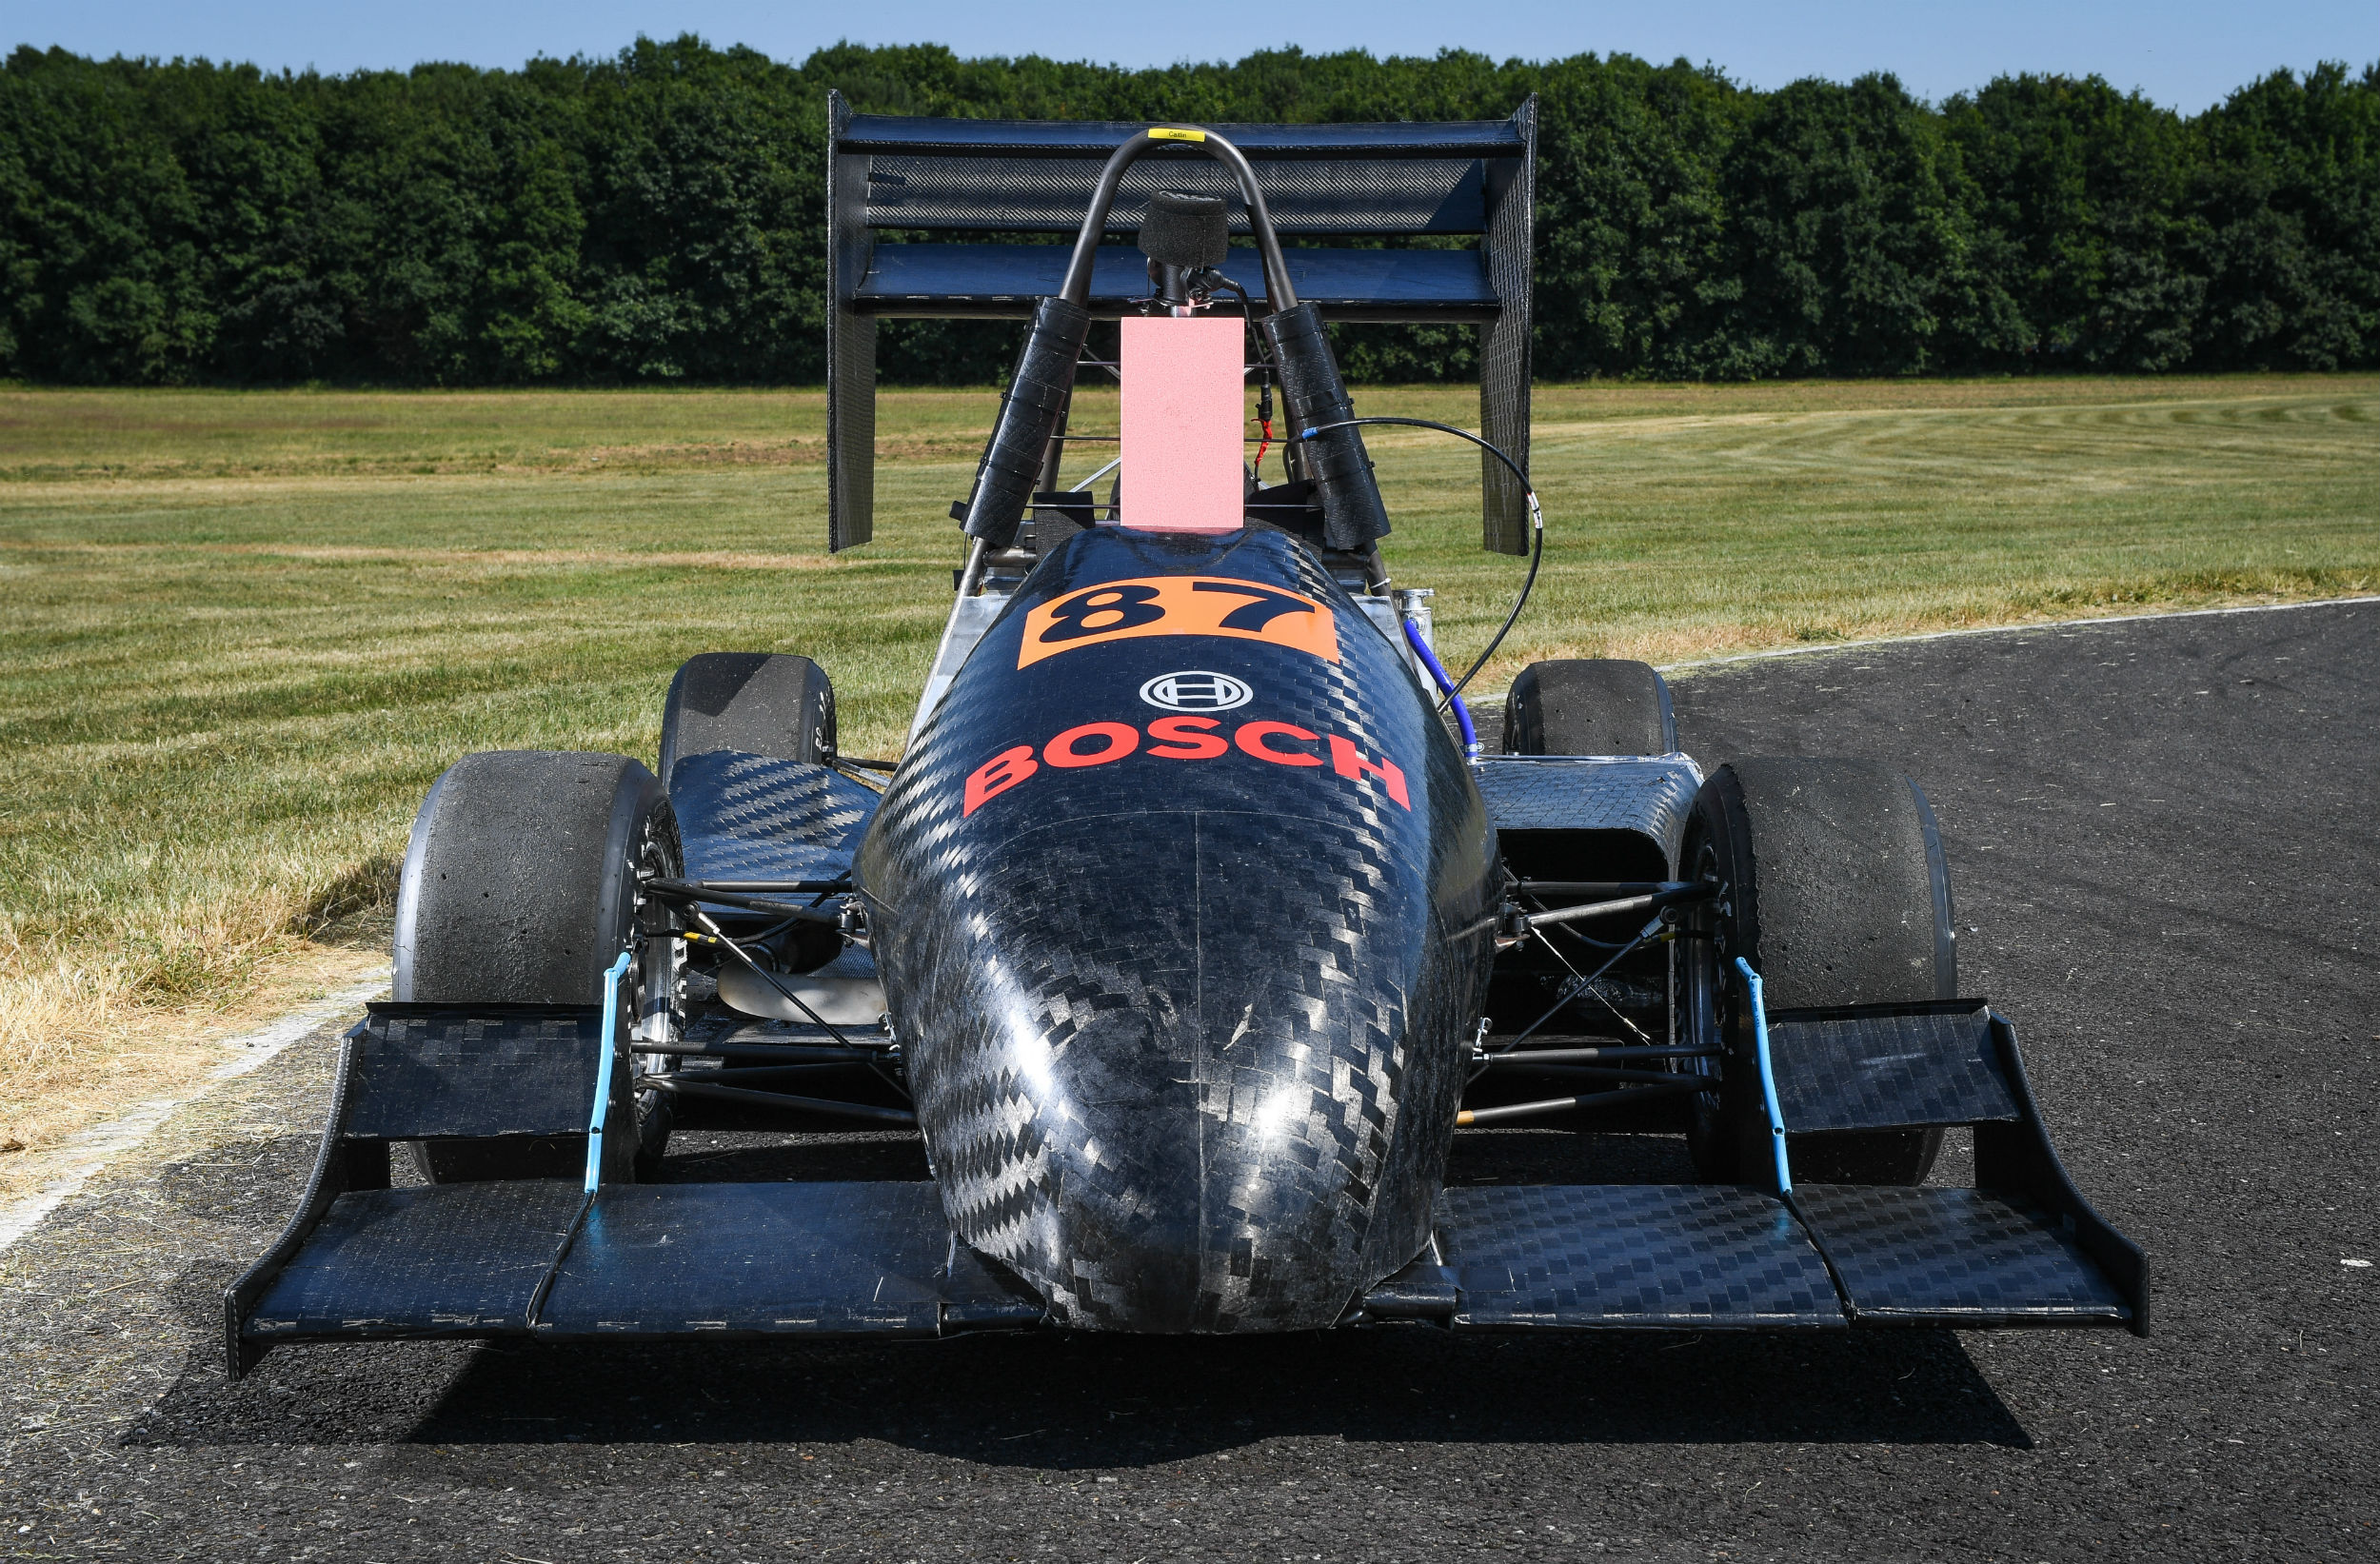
(1185, 935)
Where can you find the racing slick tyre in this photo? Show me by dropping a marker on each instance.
(1589, 707)
(520, 886)
(1838, 894)
(760, 703)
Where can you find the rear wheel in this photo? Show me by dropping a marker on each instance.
(771, 703)
(521, 886)
(1837, 894)
(760, 703)
(1589, 707)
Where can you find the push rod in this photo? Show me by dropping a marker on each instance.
(770, 1052)
(1625, 903)
(746, 1075)
(1583, 1055)
(786, 888)
(780, 1100)
(689, 892)
(712, 928)
(1564, 1104)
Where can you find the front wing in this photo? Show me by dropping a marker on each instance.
(550, 1258)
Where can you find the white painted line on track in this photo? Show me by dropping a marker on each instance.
(2008, 629)
(74, 1165)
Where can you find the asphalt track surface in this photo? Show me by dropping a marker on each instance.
(2163, 844)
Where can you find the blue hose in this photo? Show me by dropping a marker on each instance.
(1438, 671)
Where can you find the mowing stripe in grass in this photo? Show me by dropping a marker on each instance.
(244, 631)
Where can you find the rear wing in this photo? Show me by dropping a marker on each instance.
(919, 176)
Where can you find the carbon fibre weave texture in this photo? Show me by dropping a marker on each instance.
(1954, 1257)
(1097, 138)
(799, 1257)
(1008, 281)
(850, 342)
(817, 1258)
(1884, 1071)
(1505, 342)
(1631, 1256)
(1650, 796)
(755, 817)
(851, 421)
(450, 1259)
(1185, 1034)
(429, 1070)
(1380, 195)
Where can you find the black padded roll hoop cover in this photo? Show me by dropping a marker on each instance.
(1589, 707)
(1011, 468)
(760, 703)
(1352, 516)
(1185, 231)
(518, 884)
(1844, 906)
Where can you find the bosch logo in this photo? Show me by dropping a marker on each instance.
(1195, 690)
(1184, 738)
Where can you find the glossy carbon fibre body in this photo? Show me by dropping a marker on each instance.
(757, 817)
(1652, 797)
(1185, 1013)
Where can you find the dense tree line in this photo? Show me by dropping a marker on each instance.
(659, 217)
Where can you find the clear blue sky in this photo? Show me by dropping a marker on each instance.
(2185, 54)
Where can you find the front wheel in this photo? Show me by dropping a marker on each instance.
(520, 885)
(1837, 893)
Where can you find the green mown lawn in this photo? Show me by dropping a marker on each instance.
(244, 631)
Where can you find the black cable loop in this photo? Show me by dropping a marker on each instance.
(1536, 529)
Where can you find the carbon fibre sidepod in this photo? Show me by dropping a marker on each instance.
(1184, 970)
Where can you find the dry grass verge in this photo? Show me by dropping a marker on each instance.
(81, 1044)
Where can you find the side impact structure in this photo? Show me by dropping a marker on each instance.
(1459, 179)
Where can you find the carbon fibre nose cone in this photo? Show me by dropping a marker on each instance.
(1179, 902)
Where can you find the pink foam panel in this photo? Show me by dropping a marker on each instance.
(1183, 424)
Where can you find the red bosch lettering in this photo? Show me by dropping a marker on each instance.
(1120, 741)
(1349, 763)
(1183, 741)
(997, 775)
(1251, 738)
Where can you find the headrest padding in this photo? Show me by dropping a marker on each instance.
(1185, 231)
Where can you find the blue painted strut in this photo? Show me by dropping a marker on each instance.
(1438, 671)
(602, 1074)
(1768, 1079)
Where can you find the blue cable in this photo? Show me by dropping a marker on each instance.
(1768, 1080)
(602, 1074)
(1438, 671)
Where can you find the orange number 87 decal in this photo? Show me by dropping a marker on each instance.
(1210, 606)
